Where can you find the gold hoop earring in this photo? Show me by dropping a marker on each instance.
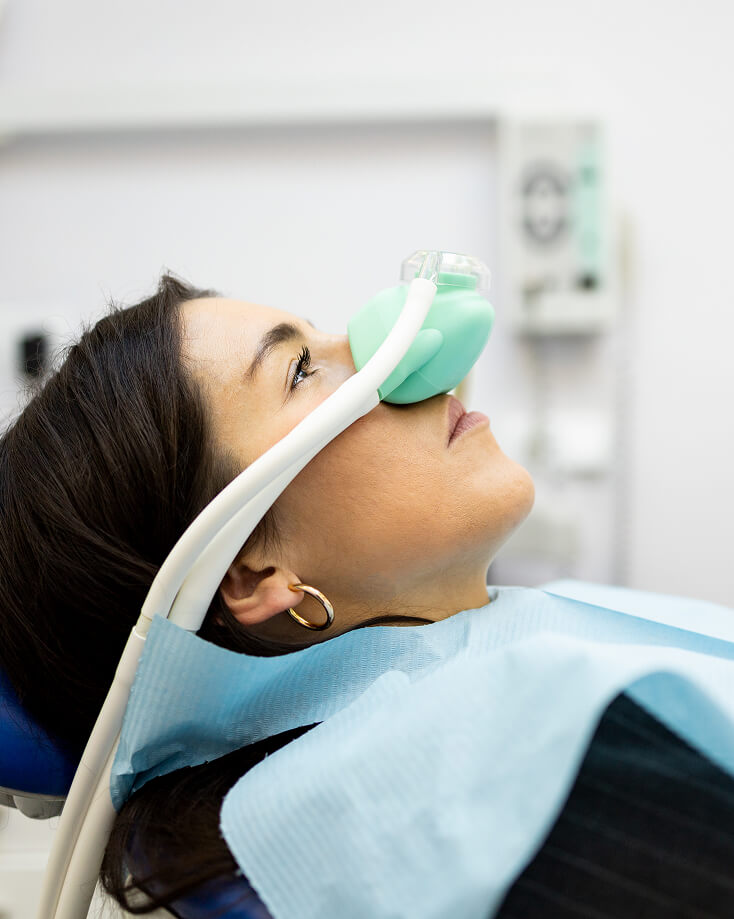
(317, 595)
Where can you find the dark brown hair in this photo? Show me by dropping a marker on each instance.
(100, 474)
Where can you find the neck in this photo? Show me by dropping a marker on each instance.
(427, 601)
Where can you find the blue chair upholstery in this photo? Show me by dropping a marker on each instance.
(35, 769)
(222, 900)
(35, 776)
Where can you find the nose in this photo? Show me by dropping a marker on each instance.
(343, 354)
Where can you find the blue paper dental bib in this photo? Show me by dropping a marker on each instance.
(446, 750)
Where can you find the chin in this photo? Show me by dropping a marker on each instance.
(520, 496)
(527, 486)
(509, 500)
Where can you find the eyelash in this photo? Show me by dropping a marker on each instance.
(304, 360)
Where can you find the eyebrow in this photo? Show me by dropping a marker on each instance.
(278, 335)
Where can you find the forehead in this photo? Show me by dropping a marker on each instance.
(216, 330)
(217, 319)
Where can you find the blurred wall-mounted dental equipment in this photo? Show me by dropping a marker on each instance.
(554, 229)
(561, 295)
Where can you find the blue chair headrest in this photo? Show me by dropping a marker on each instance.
(33, 765)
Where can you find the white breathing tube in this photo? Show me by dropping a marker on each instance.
(183, 590)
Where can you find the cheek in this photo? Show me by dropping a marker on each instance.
(374, 500)
(342, 481)
(386, 494)
(355, 495)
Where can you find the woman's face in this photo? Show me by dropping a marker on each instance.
(386, 519)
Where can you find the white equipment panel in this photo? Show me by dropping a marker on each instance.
(554, 228)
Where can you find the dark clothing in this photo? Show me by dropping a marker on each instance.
(647, 832)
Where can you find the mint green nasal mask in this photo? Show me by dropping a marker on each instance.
(451, 338)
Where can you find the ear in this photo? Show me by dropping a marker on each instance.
(255, 596)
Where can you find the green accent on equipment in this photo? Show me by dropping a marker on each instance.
(455, 279)
(451, 339)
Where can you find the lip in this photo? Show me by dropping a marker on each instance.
(456, 410)
(456, 414)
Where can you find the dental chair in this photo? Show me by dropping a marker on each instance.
(35, 775)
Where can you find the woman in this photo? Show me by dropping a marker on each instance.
(151, 414)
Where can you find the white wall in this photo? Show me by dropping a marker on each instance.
(659, 74)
